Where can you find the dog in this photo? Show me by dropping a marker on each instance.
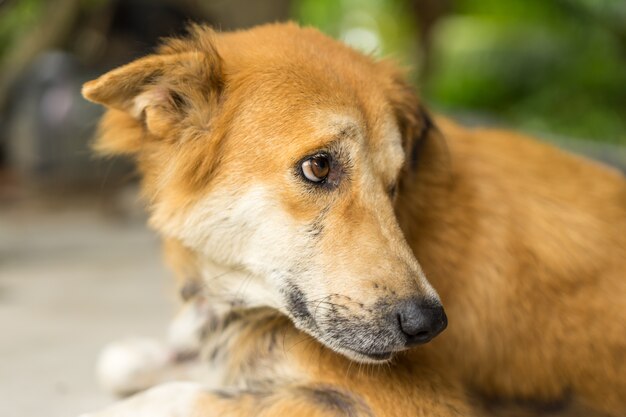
(320, 219)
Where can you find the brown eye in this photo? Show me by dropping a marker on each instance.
(316, 168)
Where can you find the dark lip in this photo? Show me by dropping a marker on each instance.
(379, 356)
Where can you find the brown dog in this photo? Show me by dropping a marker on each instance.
(300, 182)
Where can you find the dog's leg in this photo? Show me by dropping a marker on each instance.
(186, 399)
(135, 364)
(166, 400)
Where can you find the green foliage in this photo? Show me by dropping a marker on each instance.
(544, 66)
(381, 27)
(20, 17)
(16, 19)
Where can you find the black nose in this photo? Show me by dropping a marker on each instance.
(420, 320)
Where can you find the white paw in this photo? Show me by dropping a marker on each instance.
(174, 399)
(131, 365)
(185, 331)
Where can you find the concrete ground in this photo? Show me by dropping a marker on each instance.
(75, 273)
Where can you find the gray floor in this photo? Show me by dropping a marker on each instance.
(75, 273)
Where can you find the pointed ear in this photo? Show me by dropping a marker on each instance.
(120, 88)
(155, 95)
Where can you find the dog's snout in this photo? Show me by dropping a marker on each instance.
(420, 320)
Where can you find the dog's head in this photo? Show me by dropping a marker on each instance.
(274, 155)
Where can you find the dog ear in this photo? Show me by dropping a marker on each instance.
(423, 142)
(150, 97)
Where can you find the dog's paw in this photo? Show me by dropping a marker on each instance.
(187, 330)
(174, 399)
(131, 365)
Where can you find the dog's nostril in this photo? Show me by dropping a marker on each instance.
(420, 321)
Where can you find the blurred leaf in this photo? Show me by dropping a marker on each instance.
(18, 18)
(378, 27)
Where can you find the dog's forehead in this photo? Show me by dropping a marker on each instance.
(306, 98)
(382, 132)
(379, 139)
(315, 111)
(388, 143)
(337, 124)
(298, 124)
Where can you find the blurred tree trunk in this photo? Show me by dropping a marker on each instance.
(241, 14)
(427, 13)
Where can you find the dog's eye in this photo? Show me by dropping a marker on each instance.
(316, 168)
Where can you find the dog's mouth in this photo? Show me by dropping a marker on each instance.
(377, 356)
(364, 356)
(371, 338)
(356, 351)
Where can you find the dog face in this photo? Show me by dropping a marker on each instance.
(274, 155)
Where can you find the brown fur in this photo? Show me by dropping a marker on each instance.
(525, 244)
(532, 260)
